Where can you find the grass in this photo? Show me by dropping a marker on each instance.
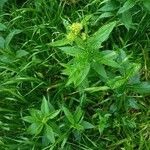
(73, 86)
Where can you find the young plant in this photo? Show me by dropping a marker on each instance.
(85, 52)
(76, 122)
(42, 122)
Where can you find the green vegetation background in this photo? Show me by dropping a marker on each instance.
(100, 105)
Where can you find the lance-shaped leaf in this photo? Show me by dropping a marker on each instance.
(72, 51)
(127, 5)
(95, 41)
(141, 88)
(45, 107)
(77, 71)
(50, 134)
(69, 115)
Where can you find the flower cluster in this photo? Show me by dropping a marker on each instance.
(75, 30)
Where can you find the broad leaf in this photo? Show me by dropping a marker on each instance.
(35, 128)
(141, 88)
(29, 119)
(69, 115)
(127, 5)
(2, 2)
(77, 71)
(95, 41)
(126, 18)
(105, 15)
(49, 134)
(78, 114)
(2, 27)
(21, 53)
(99, 68)
(73, 51)
(110, 6)
(146, 4)
(116, 82)
(87, 125)
(10, 36)
(2, 42)
(45, 107)
(54, 114)
(36, 113)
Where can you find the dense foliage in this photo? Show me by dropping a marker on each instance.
(75, 74)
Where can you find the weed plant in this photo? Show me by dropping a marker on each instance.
(74, 74)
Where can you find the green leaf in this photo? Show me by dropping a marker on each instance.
(116, 82)
(99, 68)
(45, 107)
(133, 69)
(50, 134)
(62, 42)
(95, 41)
(78, 114)
(54, 114)
(10, 36)
(127, 5)
(105, 15)
(133, 103)
(21, 53)
(87, 125)
(126, 18)
(2, 27)
(36, 113)
(35, 128)
(2, 42)
(29, 119)
(79, 127)
(96, 89)
(146, 4)
(2, 2)
(106, 57)
(141, 88)
(77, 71)
(69, 115)
(110, 6)
(73, 51)
(103, 121)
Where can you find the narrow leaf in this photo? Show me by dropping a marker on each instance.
(45, 107)
(2, 27)
(73, 51)
(87, 125)
(10, 36)
(69, 115)
(29, 119)
(127, 5)
(141, 88)
(54, 114)
(2, 42)
(95, 41)
(96, 89)
(35, 128)
(146, 4)
(62, 42)
(78, 114)
(50, 134)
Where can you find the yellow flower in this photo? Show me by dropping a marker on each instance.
(71, 36)
(76, 28)
(83, 36)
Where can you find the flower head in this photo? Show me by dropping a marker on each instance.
(76, 28)
(70, 36)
